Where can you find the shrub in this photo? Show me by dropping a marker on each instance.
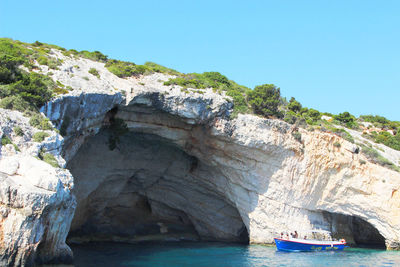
(312, 116)
(60, 91)
(18, 131)
(124, 69)
(290, 117)
(294, 105)
(94, 72)
(377, 158)
(40, 136)
(345, 117)
(95, 56)
(16, 102)
(50, 159)
(5, 140)
(297, 136)
(42, 60)
(265, 100)
(40, 122)
(337, 144)
(158, 68)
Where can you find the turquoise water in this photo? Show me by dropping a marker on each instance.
(221, 255)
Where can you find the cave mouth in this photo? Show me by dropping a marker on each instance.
(356, 231)
(145, 188)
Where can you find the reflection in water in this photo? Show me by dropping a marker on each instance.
(221, 254)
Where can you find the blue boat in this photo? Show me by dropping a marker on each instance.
(297, 244)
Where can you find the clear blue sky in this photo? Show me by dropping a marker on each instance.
(334, 56)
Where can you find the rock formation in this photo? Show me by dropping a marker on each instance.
(153, 162)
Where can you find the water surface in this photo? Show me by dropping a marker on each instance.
(222, 254)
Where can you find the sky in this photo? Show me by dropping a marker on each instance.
(333, 56)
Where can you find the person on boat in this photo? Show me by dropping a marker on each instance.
(292, 235)
(305, 237)
(281, 234)
(287, 236)
(296, 235)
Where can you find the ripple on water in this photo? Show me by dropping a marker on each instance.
(221, 254)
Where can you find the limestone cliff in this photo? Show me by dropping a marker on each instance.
(154, 162)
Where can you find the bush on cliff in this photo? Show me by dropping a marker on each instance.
(21, 90)
(219, 83)
(265, 100)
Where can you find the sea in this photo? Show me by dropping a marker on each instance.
(209, 254)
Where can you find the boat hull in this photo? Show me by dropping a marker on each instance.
(291, 246)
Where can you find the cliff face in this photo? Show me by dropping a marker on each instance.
(152, 162)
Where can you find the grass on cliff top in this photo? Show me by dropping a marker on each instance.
(21, 90)
(28, 91)
(375, 157)
(218, 83)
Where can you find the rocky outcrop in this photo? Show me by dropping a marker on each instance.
(36, 205)
(154, 162)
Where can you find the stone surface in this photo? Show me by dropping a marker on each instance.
(183, 171)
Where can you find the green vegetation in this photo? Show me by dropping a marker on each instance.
(95, 55)
(5, 140)
(40, 122)
(294, 105)
(40, 136)
(18, 131)
(346, 119)
(125, 69)
(20, 90)
(94, 72)
(386, 138)
(48, 158)
(297, 136)
(219, 83)
(28, 91)
(265, 100)
(337, 144)
(377, 158)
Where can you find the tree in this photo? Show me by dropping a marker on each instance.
(345, 117)
(294, 105)
(265, 100)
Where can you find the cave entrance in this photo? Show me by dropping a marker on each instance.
(144, 188)
(356, 231)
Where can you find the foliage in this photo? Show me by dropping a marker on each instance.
(124, 69)
(21, 90)
(94, 72)
(388, 139)
(312, 116)
(377, 158)
(161, 69)
(18, 131)
(5, 140)
(48, 158)
(40, 136)
(297, 136)
(294, 105)
(347, 120)
(344, 117)
(337, 144)
(40, 122)
(381, 122)
(95, 56)
(218, 82)
(265, 99)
